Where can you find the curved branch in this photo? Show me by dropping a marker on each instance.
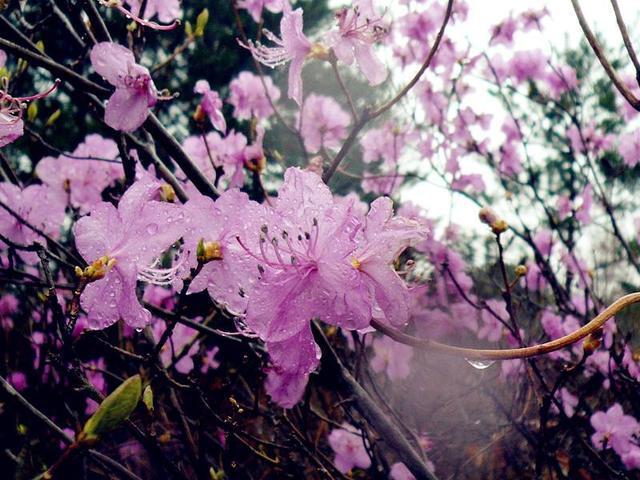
(512, 353)
(625, 38)
(597, 49)
(374, 112)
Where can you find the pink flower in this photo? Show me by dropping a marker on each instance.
(166, 10)
(36, 204)
(630, 148)
(493, 328)
(528, 65)
(399, 471)
(392, 357)
(588, 139)
(385, 143)
(560, 80)
(80, 178)
(359, 28)
(11, 124)
(128, 107)
(323, 123)
(255, 7)
(568, 401)
(230, 276)
(543, 241)
(3, 58)
(304, 258)
(510, 163)
(123, 245)
(349, 449)
(292, 46)
(250, 98)
(284, 387)
(502, 33)
(209, 360)
(211, 105)
(614, 429)
(18, 380)
(204, 151)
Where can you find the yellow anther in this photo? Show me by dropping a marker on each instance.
(167, 193)
(355, 263)
(208, 251)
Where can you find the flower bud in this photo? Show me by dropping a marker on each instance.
(113, 410)
(487, 216)
(591, 343)
(208, 251)
(199, 115)
(521, 270)
(499, 226)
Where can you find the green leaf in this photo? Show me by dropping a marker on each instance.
(114, 409)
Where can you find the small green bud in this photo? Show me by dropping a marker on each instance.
(188, 29)
(113, 410)
(201, 22)
(216, 474)
(53, 117)
(147, 398)
(32, 111)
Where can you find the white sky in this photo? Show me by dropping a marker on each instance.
(561, 30)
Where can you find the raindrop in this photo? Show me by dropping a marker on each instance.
(480, 364)
(152, 229)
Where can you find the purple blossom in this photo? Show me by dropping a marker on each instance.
(323, 123)
(614, 429)
(128, 107)
(230, 276)
(82, 179)
(385, 143)
(209, 360)
(391, 357)
(250, 98)
(359, 28)
(211, 105)
(166, 10)
(528, 65)
(123, 245)
(36, 204)
(292, 46)
(588, 139)
(349, 449)
(255, 7)
(629, 148)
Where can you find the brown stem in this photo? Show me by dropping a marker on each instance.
(597, 49)
(511, 353)
(374, 112)
(625, 38)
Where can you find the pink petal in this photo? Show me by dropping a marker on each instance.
(112, 61)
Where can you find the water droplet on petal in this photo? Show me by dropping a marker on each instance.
(480, 364)
(152, 228)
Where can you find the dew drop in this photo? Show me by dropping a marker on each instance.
(152, 228)
(139, 330)
(480, 364)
